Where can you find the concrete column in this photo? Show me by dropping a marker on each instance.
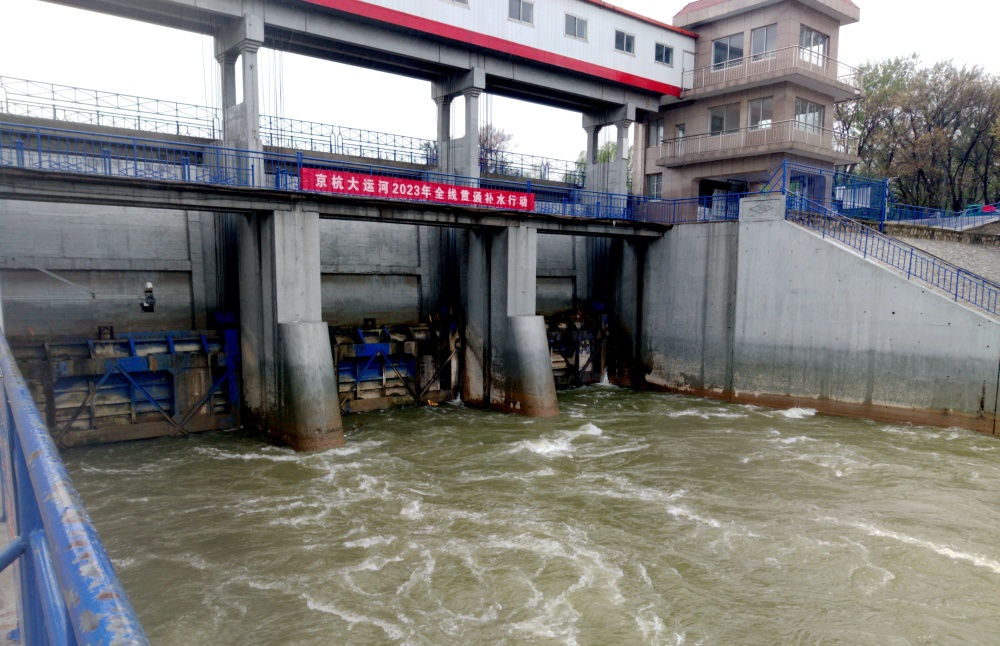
(1, 301)
(507, 364)
(289, 379)
(241, 121)
(444, 133)
(251, 95)
(227, 69)
(618, 177)
(590, 165)
(467, 163)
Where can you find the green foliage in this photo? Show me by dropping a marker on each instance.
(934, 130)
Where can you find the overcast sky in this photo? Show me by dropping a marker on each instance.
(51, 43)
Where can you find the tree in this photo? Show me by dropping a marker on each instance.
(494, 138)
(932, 129)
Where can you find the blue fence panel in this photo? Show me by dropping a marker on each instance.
(69, 593)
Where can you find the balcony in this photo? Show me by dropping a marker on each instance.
(798, 65)
(780, 137)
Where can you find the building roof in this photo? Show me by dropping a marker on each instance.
(645, 19)
(703, 4)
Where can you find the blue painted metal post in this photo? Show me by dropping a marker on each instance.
(784, 176)
(67, 579)
(885, 205)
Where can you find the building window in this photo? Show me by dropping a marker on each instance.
(624, 42)
(727, 51)
(679, 131)
(760, 113)
(522, 10)
(763, 42)
(654, 185)
(655, 130)
(664, 54)
(576, 27)
(808, 116)
(724, 119)
(813, 46)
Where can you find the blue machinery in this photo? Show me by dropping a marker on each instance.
(135, 385)
(68, 590)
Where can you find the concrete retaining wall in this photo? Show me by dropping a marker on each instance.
(688, 300)
(765, 311)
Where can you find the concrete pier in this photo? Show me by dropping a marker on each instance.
(506, 362)
(289, 381)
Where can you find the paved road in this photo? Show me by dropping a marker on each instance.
(978, 259)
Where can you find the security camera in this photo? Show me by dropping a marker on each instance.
(147, 302)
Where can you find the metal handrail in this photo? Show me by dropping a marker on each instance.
(99, 107)
(52, 149)
(917, 264)
(795, 56)
(772, 133)
(68, 590)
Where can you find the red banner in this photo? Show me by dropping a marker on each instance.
(344, 183)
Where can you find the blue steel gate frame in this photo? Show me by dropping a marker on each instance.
(68, 592)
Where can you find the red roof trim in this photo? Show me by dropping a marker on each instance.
(424, 25)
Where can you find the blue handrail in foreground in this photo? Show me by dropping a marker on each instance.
(960, 284)
(68, 590)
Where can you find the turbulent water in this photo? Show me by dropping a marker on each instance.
(632, 518)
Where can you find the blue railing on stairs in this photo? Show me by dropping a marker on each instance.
(53, 149)
(960, 284)
(68, 590)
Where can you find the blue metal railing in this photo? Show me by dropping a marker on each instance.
(68, 590)
(59, 150)
(959, 283)
(956, 220)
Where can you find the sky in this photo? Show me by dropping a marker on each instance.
(56, 44)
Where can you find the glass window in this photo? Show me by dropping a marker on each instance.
(679, 131)
(664, 54)
(521, 10)
(727, 51)
(624, 42)
(808, 115)
(576, 27)
(763, 42)
(655, 130)
(654, 185)
(813, 46)
(724, 118)
(760, 113)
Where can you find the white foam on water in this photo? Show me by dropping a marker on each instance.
(371, 541)
(684, 512)
(799, 413)
(560, 445)
(705, 414)
(650, 625)
(412, 510)
(943, 550)
(799, 439)
(546, 448)
(392, 631)
(645, 576)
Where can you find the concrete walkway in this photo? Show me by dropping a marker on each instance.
(979, 259)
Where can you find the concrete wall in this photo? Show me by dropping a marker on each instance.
(767, 312)
(688, 300)
(562, 273)
(830, 324)
(108, 251)
(391, 272)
